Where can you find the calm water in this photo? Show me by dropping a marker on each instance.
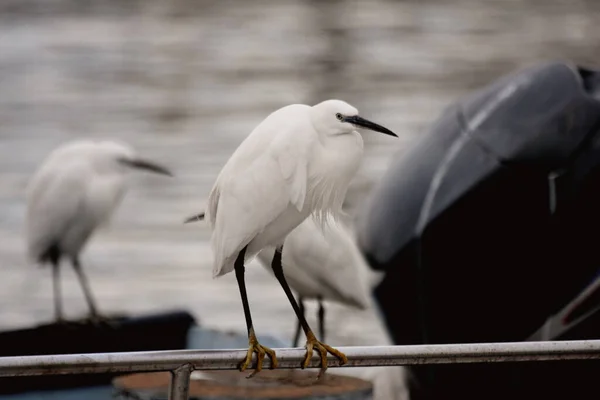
(184, 82)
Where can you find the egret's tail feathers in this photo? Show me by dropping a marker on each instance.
(359, 299)
(375, 277)
(194, 218)
(222, 268)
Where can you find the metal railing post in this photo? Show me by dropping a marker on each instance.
(180, 383)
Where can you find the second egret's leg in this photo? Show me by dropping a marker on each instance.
(94, 316)
(311, 341)
(253, 345)
(57, 295)
(298, 326)
(321, 318)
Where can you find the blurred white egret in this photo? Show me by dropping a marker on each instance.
(75, 190)
(297, 162)
(323, 263)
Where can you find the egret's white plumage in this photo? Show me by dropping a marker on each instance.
(324, 263)
(297, 162)
(75, 190)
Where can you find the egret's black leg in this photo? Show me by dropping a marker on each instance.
(239, 276)
(57, 292)
(94, 316)
(321, 318)
(311, 340)
(298, 327)
(253, 345)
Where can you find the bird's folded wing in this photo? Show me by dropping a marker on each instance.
(54, 202)
(251, 195)
(293, 171)
(330, 257)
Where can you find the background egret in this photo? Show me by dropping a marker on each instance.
(323, 263)
(297, 162)
(75, 190)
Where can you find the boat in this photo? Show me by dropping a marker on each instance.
(485, 229)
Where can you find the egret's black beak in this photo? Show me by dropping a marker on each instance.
(364, 123)
(147, 165)
(194, 218)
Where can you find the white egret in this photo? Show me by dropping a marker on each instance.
(297, 162)
(75, 190)
(323, 263)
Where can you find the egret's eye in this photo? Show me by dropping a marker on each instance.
(339, 116)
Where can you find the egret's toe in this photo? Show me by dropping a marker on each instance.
(313, 344)
(261, 351)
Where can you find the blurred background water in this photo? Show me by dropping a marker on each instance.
(185, 81)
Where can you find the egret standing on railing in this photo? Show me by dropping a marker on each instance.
(75, 190)
(297, 162)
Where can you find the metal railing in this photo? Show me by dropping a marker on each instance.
(181, 363)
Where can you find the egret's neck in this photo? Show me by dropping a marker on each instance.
(342, 149)
(350, 139)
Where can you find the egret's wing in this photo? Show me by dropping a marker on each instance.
(325, 260)
(299, 279)
(305, 254)
(246, 206)
(293, 170)
(54, 200)
(265, 175)
(67, 200)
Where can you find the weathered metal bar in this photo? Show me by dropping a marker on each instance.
(291, 358)
(180, 383)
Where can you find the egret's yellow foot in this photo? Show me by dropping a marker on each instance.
(261, 351)
(313, 344)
